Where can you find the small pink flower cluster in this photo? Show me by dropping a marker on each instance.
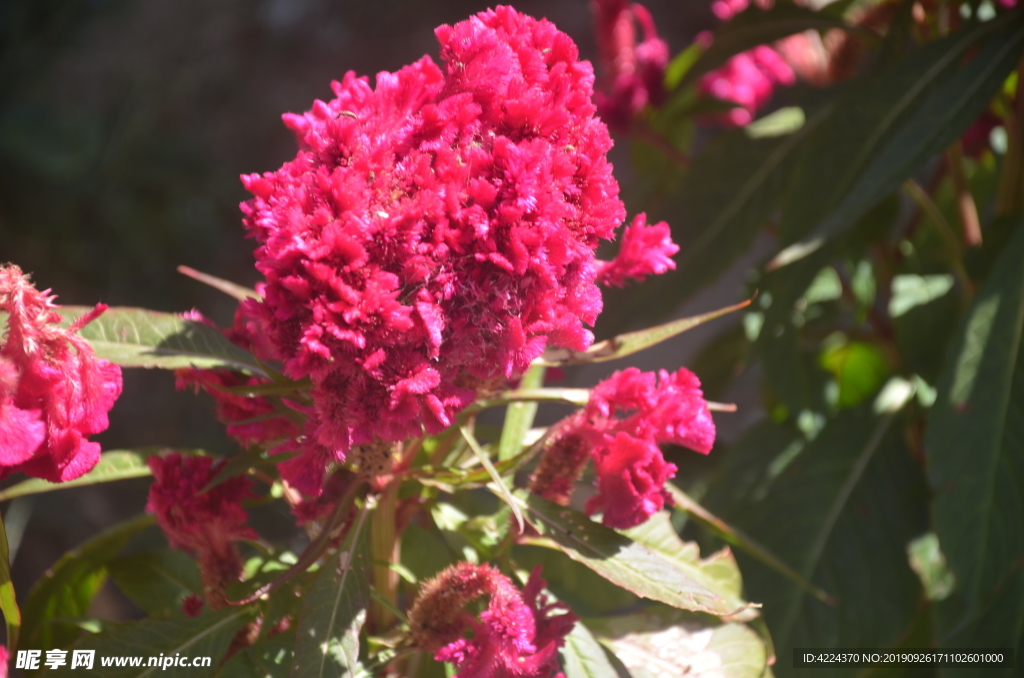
(436, 233)
(749, 78)
(517, 636)
(205, 523)
(54, 391)
(643, 251)
(628, 416)
(634, 73)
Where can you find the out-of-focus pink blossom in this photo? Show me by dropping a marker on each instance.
(517, 636)
(634, 73)
(205, 523)
(627, 417)
(644, 250)
(748, 79)
(54, 391)
(727, 9)
(434, 234)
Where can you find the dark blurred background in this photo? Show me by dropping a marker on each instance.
(123, 128)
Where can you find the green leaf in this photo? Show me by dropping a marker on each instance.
(677, 645)
(840, 510)
(67, 589)
(996, 622)
(156, 581)
(975, 436)
(890, 127)
(519, 416)
(583, 657)
(266, 658)
(660, 536)
(327, 641)
(791, 369)
(207, 636)
(755, 27)
(729, 194)
(631, 342)
(637, 568)
(729, 534)
(113, 465)
(8, 598)
(503, 490)
(137, 337)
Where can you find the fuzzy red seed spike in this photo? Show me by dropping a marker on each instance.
(517, 636)
(207, 524)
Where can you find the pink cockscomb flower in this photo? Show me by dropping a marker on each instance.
(644, 250)
(668, 407)
(517, 636)
(207, 524)
(634, 73)
(631, 477)
(628, 416)
(54, 391)
(434, 234)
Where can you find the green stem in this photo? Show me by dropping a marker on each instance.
(969, 222)
(316, 548)
(384, 550)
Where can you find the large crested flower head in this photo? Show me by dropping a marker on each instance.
(517, 636)
(437, 232)
(54, 391)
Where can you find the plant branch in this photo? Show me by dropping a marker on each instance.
(970, 224)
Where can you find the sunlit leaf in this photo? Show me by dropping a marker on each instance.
(519, 416)
(677, 645)
(137, 337)
(502, 488)
(975, 440)
(632, 342)
(631, 565)
(327, 640)
(583, 657)
(8, 599)
(840, 510)
(113, 465)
